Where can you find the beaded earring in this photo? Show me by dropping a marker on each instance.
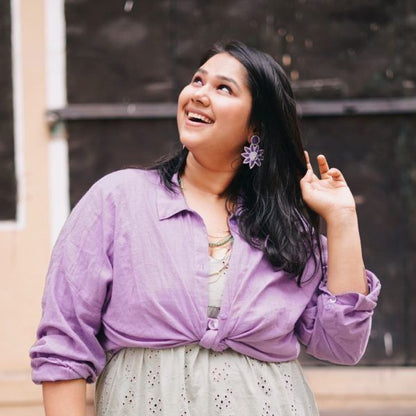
(252, 154)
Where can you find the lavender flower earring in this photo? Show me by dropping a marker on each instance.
(252, 154)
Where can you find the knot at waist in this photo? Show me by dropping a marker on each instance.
(210, 339)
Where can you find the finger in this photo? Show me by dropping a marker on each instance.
(308, 162)
(336, 175)
(323, 167)
(309, 177)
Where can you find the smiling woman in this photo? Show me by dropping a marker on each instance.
(207, 316)
(214, 113)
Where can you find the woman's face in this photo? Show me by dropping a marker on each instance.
(214, 111)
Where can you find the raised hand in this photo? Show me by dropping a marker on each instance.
(329, 196)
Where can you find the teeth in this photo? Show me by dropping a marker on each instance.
(199, 117)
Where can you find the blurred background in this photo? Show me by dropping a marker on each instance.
(90, 87)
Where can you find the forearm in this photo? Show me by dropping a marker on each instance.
(65, 398)
(345, 261)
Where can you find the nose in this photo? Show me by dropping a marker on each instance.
(201, 96)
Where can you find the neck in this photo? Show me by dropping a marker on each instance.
(205, 180)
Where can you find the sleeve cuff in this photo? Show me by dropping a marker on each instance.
(357, 301)
(59, 371)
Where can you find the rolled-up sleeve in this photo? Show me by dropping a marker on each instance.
(336, 328)
(77, 283)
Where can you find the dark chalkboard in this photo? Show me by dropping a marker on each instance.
(145, 51)
(7, 166)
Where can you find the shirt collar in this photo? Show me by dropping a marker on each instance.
(170, 203)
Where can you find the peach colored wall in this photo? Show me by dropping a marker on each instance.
(25, 246)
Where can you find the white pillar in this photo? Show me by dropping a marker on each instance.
(56, 97)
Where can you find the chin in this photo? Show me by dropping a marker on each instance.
(191, 141)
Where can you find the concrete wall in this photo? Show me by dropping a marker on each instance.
(24, 244)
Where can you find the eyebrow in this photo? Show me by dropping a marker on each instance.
(223, 77)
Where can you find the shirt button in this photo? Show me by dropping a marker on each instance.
(213, 323)
(332, 299)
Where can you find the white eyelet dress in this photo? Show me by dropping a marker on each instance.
(194, 381)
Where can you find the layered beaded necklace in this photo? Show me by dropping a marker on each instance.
(219, 266)
(222, 242)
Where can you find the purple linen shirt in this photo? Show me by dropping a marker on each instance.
(130, 269)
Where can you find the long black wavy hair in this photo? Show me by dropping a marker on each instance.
(272, 215)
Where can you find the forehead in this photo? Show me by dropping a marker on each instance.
(225, 65)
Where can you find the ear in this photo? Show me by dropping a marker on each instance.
(253, 131)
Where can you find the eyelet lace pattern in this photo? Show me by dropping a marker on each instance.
(191, 380)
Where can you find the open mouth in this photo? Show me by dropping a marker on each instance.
(198, 118)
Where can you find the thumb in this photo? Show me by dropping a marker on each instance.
(308, 177)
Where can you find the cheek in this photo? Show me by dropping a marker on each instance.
(183, 96)
(239, 117)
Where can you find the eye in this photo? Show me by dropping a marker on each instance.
(225, 88)
(197, 80)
